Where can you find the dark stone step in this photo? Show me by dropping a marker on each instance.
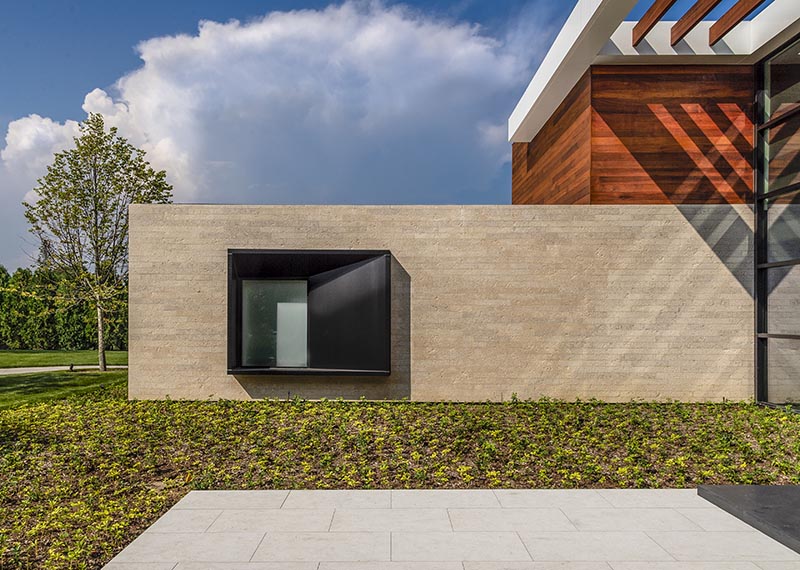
(772, 509)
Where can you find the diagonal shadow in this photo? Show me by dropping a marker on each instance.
(711, 140)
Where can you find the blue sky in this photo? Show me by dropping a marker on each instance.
(275, 101)
(64, 48)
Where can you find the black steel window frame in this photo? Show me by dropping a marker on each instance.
(301, 265)
(762, 125)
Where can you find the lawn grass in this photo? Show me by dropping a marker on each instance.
(81, 477)
(24, 358)
(43, 386)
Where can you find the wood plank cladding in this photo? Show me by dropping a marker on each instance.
(644, 135)
(554, 167)
(672, 134)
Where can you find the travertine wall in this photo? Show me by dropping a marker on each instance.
(608, 302)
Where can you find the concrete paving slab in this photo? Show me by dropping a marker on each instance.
(654, 498)
(327, 546)
(186, 520)
(338, 499)
(458, 546)
(246, 566)
(715, 519)
(474, 530)
(189, 547)
(391, 520)
(488, 520)
(140, 566)
(683, 566)
(391, 566)
(598, 546)
(728, 546)
(554, 498)
(629, 519)
(232, 500)
(444, 499)
(273, 520)
(536, 566)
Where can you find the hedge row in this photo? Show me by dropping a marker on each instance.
(36, 313)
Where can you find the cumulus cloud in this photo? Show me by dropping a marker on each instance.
(355, 103)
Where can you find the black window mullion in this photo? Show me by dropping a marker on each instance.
(779, 192)
(760, 242)
(784, 336)
(782, 117)
(782, 263)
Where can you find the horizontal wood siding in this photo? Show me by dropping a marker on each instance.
(671, 134)
(554, 167)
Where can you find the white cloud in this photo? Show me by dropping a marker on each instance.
(359, 103)
(31, 142)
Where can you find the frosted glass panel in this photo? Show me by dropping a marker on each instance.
(274, 323)
(292, 334)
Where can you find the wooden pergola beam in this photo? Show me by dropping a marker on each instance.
(731, 19)
(691, 18)
(650, 19)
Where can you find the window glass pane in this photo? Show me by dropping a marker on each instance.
(783, 223)
(782, 153)
(783, 287)
(274, 323)
(782, 80)
(783, 357)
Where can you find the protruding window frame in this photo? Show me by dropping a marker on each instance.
(283, 264)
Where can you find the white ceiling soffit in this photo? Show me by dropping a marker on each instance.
(595, 33)
(693, 49)
(748, 42)
(581, 38)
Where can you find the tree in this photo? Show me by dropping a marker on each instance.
(27, 319)
(81, 215)
(4, 277)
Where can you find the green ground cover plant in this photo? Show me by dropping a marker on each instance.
(23, 358)
(81, 477)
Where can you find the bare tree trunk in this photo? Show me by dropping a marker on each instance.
(101, 341)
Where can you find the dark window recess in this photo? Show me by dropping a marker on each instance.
(348, 310)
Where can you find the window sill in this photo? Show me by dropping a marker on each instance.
(305, 372)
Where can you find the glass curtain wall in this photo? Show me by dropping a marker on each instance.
(778, 228)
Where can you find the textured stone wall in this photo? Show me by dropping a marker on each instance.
(608, 302)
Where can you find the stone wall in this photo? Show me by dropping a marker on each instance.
(607, 302)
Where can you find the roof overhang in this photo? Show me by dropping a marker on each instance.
(596, 33)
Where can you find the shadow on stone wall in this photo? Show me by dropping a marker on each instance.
(393, 387)
(729, 237)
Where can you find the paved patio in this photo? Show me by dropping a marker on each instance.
(451, 530)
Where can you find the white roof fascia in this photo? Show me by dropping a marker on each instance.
(581, 38)
(776, 25)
